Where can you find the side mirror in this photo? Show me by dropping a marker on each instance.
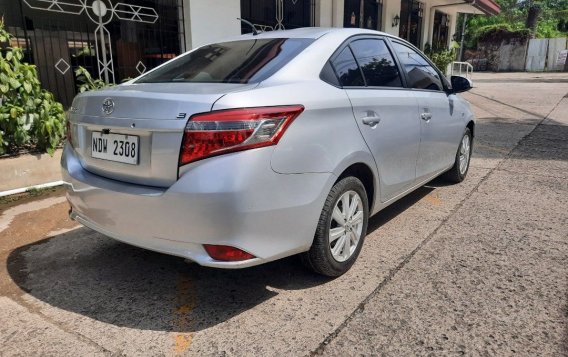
(460, 84)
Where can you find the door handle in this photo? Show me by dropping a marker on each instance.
(426, 116)
(371, 120)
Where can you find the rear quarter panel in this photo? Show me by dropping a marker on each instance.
(324, 138)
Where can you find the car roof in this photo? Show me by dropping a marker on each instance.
(308, 32)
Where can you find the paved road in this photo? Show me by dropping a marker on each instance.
(479, 268)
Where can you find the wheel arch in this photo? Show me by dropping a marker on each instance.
(366, 175)
(471, 126)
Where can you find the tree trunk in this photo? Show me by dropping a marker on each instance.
(532, 18)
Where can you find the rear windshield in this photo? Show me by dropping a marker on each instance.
(244, 61)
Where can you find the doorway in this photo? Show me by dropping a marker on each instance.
(410, 29)
(268, 15)
(440, 31)
(366, 14)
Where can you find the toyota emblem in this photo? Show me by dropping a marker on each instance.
(108, 106)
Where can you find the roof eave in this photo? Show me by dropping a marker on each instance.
(488, 7)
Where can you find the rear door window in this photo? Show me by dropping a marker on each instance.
(420, 73)
(347, 69)
(244, 61)
(376, 62)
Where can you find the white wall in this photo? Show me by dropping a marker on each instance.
(391, 8)
(329, 13)
(453, 24)
(324, 13)
(210, 20)
(338, 9)
(428, 24)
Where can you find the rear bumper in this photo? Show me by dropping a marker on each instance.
(234, 199)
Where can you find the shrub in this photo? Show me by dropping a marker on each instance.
(87, 82)
(441, 58)
(29, 115)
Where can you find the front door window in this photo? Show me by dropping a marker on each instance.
(420, 74)
(365, 14)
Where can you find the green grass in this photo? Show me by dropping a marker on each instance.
(29, 195)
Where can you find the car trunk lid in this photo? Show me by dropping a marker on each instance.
(151, 115)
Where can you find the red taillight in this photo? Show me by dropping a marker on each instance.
(224, 131)
(226, 253)
(68, 133)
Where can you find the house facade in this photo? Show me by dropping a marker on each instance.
(118, 39)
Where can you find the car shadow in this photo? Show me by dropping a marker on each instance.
(496, 137)
(398, 207)
(84, 272)
(87, 273)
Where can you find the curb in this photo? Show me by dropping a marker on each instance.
(27, 171)
(37, 187)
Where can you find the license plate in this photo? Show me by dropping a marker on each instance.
(115, 147)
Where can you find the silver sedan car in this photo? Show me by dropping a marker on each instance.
(263, 146)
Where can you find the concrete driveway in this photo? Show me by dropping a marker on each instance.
(479, 268)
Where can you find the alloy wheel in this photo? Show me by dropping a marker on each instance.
(465, 152)
(346, 226)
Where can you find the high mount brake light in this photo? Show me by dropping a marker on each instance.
(224, 131)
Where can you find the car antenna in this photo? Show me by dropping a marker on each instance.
(254, 30)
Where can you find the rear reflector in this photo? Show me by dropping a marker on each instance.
(225, 131)
(226, 253)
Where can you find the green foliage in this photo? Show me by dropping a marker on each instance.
(87, 82)
(549, 29)
(499, 32)
(442, 57)
(29, 115)
(48, 130)
(512, 19)
(85, 51)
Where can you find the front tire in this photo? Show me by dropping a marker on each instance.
(458, 172)
(341, 229)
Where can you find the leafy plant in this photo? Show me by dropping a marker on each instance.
(550, 21)
(441, 58)
(85, 51)
(87, 82)
(48, 130)
(29, 115)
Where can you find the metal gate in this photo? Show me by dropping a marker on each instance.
(277, 14)
(555, 47)
(536, 55)
(113, 39)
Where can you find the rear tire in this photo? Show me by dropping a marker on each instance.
(341, 229)
(458, 172)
